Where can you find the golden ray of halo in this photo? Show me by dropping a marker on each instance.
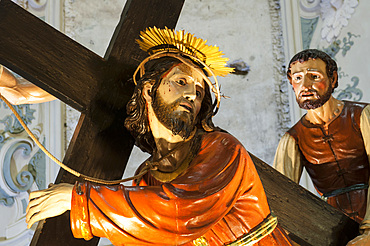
(154, 41)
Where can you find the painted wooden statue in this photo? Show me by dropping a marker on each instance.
(199, 186)
(331, 141)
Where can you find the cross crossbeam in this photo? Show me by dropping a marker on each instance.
(100, 89)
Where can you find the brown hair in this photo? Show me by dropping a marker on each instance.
(305, 55)
(137, 119)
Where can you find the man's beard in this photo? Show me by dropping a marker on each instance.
(315, 103)
(179, 122)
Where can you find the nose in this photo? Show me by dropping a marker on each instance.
(306, 83)
(190, 92)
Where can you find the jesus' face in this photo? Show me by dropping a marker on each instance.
(178, 99)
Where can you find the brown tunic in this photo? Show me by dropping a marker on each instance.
(336, 158)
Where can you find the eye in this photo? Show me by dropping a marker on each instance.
(181, 82)
(199, 94)
(315, 77)
(297, 78)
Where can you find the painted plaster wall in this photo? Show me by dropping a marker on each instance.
(243, 31)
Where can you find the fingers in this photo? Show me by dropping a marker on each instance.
(39, 193)
(35, 201)
(43, 210)
(48, 203)
(35, 214)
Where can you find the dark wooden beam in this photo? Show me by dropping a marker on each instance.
(100, 88)
(100, 146)
(48, 58)
(309, 220)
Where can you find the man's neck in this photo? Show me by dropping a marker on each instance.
(325, 114)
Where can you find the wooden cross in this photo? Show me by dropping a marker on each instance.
(97, 87)
(100, 88)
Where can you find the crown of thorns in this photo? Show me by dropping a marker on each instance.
(181, 45)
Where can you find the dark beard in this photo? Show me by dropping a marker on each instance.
(179, 122)
(313, 104)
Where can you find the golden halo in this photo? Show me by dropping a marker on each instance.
(166, 42)
(155, 40)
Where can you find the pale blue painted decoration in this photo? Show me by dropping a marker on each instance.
(350, 92)
(2, 138)
(34, 171)
(5, 199)
(333, 49)
(24, 205)
(308, 27)
(37, 167)
(24, 179)
(337, 45)
(12, 125)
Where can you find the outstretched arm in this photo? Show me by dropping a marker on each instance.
(20, 91)
(49, 203)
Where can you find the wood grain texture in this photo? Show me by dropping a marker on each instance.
(308, 219)
(98, 87)
(48, 58)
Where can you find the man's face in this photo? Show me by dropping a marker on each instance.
(311, 84)
(178, 99)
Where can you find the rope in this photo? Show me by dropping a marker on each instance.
(65, 167)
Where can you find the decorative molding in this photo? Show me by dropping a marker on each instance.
(14, 157)
(19, 169)
(37, 166)
(343, 45)
(33, 5)
(308, 28)
(11, 124)
(310, 8)
(350, 92)
(335, 15)
(281, 86)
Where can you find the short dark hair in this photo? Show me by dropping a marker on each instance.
(305, 55)
(137, 119)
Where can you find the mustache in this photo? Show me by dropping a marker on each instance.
(189, 105)
(313, 91)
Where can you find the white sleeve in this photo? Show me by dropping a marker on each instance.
(365, 130)
(288, 158)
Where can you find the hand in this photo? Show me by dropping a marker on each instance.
(20, 91)
(7, 79)
(48, 203)
(361, 240)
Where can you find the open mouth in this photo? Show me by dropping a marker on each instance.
(187, 107)
(308, 95)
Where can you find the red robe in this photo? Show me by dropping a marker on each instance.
(220, 197)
